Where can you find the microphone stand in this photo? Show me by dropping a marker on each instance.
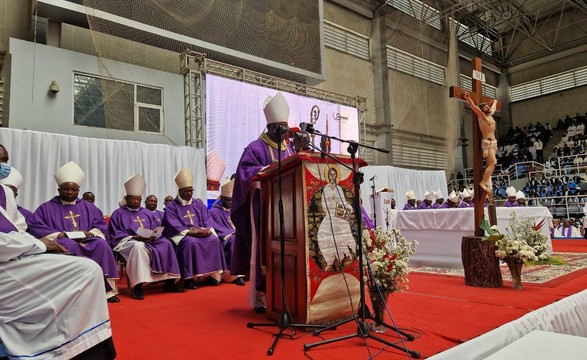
(363, 329)
(285, 321)
(373, 197)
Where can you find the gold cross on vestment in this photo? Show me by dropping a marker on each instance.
(72, 217)
(140, 221)
(190, 216)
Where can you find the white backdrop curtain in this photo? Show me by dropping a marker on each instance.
(107, 164)
(401, 180)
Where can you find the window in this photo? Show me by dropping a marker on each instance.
(114, 104)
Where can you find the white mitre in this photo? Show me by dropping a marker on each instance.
(184, 178)
(438, 195)
(276, 110)
(511, 191)
(410, 195)
(14, 179)
(428, 195)
(135, 185)
(69, 172)
(453, 196)
(226, 189)
(520, 195)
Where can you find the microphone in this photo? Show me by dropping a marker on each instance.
(280, 129)
(373, 178)
(309, 128)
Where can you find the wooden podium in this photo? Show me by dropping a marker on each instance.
(317, 290)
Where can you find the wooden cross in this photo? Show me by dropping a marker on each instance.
(190, 216)
(477, 96)
(140, 221)
(72, 217)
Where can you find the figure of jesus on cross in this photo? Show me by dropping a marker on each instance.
(488, 142)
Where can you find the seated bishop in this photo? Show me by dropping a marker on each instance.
(220, 221)
(45, 312)
(76, 224)
(200, 252)
(14, 180)
(132, 233)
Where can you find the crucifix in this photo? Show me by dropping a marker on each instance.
(190, 216)
(481, 190)
(140, 221)
(72, 217)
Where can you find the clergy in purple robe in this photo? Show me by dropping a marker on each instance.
(76, 224)
(220, 221)
(48, 302)
(452, 202)
(245, 207)
(427, 202)
(511, 193)
(151, 204)
(411, 201)
(199, 250)
(149, 257)
(439, 199)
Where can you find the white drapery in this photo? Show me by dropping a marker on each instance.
(107, 164)
(401, 180)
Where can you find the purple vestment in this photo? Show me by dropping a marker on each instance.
(256, 155)
(463, 205)
(511, 204)
(54, 217)
(25, 212)
(158, 214)
(125, 222)
(367, 222)
(196, 255)
(424, 206)
(409, 207)
(220, 221)
(6, 225)
(436, 205)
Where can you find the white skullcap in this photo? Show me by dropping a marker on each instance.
(453, 196)
(428, 195)
(520, 195)
(465, 193)
(135, 185)
(69, 172)
(276, 110)
(511, 191)
(226, 189)
(13, 179)
(410, 195)
(184, 178)
(438, 195)
(215, 165)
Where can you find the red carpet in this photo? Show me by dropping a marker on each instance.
(210, 322)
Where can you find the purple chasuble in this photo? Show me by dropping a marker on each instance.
(463, 205)
(158, 214)
(54, 217)
(256, 155)
(367, 222)
(509, 204)
(125, 222)
(409, 207)
(220, 221)
(196, 255)
(423, 206)
(25, 212)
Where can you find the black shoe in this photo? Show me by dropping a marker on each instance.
(113, 299)
(211, 281)
(189, 284)
(137, 292)
(172, 287)
(260, 309)
(240, 281)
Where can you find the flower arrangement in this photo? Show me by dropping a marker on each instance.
(524, 241)
(388, 254)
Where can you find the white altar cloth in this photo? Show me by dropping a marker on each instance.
(440, 231)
